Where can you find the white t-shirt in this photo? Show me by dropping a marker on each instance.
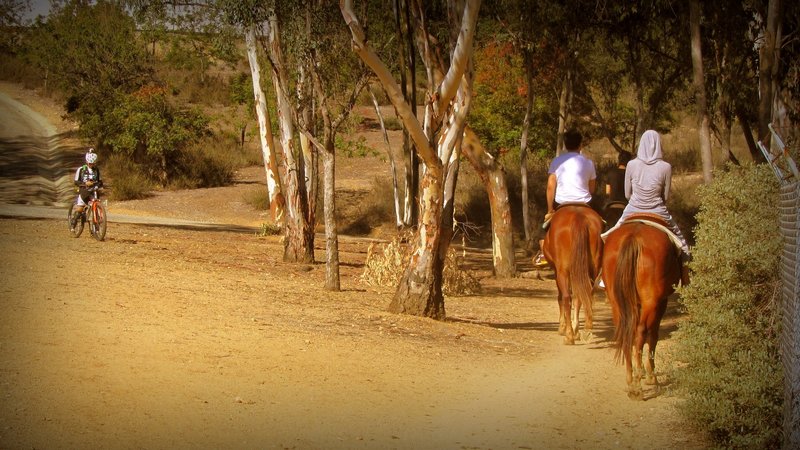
(573, 172)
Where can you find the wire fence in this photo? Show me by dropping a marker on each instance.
(789, 205)
(780, 155)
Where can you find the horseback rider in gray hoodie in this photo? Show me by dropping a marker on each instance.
(647, 183)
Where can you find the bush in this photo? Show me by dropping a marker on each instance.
(386, 263)
(125, 180)
(732, 374)
(211, 162)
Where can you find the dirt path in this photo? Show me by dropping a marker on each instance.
(165, 337)
(204, 339)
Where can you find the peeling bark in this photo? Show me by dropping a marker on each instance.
(268, 149)
(494, 180)
(437, 143)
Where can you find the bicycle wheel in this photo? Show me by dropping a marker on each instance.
(99, 221)
(77, 229)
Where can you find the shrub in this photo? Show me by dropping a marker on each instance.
(126, 181)
(359, 215)
(269, 229)
(732, 374)
(386, 263)
(685, 160)
(211, 162)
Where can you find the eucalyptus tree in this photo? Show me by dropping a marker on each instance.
(698, 82)
(407, 69)
(249, 17)
(266, 137)
(326, 79)
(316, 80)
(337, 78)
(298, 168)
(437, 138)
(730, 71)
(778, 71)
(262, 27)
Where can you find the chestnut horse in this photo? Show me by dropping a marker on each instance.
(641, 267)
(573, 248)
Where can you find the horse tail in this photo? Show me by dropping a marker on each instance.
(626, 295)
(580, 275)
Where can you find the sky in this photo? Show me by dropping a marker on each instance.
(38, 8)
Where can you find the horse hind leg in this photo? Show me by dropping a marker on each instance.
(562, 322)
(635, 381)
(650, 367)
(566, 316)
(565, 309)
(585, 334)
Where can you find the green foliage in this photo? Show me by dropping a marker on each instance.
(269, 229)
(732, 374)
(685, 160)
(209, 162)
(354, 147)
(241, 89)
(91, 53)
(500, 97)
(148, 128)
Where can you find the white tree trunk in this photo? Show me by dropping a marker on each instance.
(420, 290)
(298, 233)
(494, 179)
(268, 150)
(398, 219)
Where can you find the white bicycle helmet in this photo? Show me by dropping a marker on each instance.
(91, 156)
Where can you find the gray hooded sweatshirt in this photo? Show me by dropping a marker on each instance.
(647, 183)
(648, 177)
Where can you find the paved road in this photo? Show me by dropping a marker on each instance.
(35, 165)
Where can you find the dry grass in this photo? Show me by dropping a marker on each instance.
(385, 264)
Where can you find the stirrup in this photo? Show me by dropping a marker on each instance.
(539, 260)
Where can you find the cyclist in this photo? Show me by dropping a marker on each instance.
(87, 177)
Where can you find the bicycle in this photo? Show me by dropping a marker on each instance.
(94, 212)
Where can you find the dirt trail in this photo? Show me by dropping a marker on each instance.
(205, 339)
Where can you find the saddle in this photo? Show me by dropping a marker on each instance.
(655, 221)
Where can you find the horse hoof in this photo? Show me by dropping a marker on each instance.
(651, 381)
(586, 336)
(569, 340)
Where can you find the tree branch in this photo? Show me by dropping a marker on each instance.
(461, 54)
(371, 59)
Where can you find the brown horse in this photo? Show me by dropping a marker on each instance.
(573, 248)
(641, 267)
